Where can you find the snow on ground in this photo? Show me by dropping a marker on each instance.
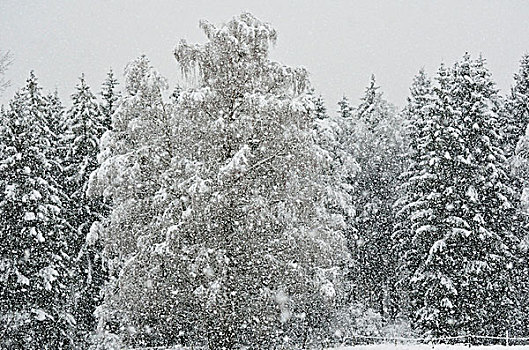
(391, 346)
(430, 347)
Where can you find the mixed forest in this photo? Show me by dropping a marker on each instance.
(242, 212)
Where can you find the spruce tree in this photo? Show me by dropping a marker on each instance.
(83, 130)
(335, 144)
(419, 132)
(34, 270)
(345, 109)
(82, 133)
(320, 110)
(55, 114)
(110, 95)
(517, 107)
(520, 168)
(135, 155)
(377, 147)
(456, 217)
(420, 209)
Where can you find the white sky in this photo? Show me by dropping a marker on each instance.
(340, 42)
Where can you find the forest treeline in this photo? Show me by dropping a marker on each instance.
(240, 212)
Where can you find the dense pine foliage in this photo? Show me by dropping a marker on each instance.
(244, 212)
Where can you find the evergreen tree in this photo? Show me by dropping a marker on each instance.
(419, 135)
(35, 238)
(345, 110)
(378, 146)
(373, 108)
(333, 138)
(517, 107)
(520, 168)
(234, 245)
(332, 135)
(419, 104)
(55, 114)
(456, 217)
(320, 110)
(110, 95)
(82, 133)
(135, 154)
(83, 129)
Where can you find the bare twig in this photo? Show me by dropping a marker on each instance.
(5, 61)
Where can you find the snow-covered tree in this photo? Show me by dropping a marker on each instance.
(345, 109)
(82, 130)
(520, 169)
(518, 110)
(425, 135)
(516, 120)
(455, 220)
(320, 110)
(82, 133)
(110, 95)
(419, 104)
(517, 107)
(55, 114)
(232, 243)
(135, 154)
(520, 164)
(332, 136)
(373, 109)
(35, 261)
(378, 145)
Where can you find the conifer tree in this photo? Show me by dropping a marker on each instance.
(455, 219)
(520, 168)
(419, 135)
(83, 129)
(35, 260)
(82, 133)
(373, 109)
(55, 114)
(110, 95)
(345, 109)
(517, 107)
(378, 146)
(332, 134)
(320, 110)
(135, 154)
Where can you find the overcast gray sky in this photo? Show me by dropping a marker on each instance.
(340, 42)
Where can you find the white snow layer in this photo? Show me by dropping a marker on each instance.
(430, 347)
